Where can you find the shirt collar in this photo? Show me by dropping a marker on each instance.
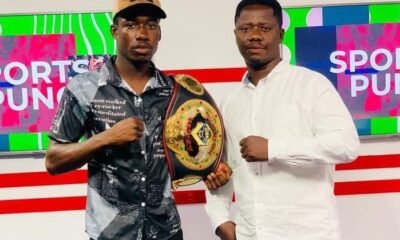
(276, 70)
(108, 75)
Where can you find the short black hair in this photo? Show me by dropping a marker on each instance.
(275, 5)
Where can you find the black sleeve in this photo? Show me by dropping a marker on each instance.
(69, 121)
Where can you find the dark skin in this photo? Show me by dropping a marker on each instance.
(218, 178)
(258, 37)
(137, 41)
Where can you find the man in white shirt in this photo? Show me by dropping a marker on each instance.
(286, 129)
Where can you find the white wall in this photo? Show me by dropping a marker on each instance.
(196, 34)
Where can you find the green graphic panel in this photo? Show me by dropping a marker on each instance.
(298, 18)
(45, 140)
(385, 13)
(23, 141)
(17, 25)
(383, 125)
(91, 30)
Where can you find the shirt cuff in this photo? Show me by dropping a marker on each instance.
(275, 147)
(217, 210)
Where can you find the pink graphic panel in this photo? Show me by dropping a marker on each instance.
(33, 72)
(371, 64)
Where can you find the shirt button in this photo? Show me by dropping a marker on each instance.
(143, 179)
(143, 204)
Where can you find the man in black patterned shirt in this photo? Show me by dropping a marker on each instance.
(120, 109)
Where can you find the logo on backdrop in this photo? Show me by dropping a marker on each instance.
(362, 61)
(32, 76)
(33, 73)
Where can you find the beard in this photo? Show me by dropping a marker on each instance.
(256, 63)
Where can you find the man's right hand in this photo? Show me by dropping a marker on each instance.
(66, 157)
(219, 178)
(125, 131)
(226, 231)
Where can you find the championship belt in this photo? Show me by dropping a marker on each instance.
(193, 132)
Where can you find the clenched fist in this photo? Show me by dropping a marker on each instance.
(125, 131)
(254, 148)
(219, 178)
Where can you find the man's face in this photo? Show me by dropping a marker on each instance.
(258, 35)
(137, 38)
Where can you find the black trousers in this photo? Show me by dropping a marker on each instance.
(177, 236)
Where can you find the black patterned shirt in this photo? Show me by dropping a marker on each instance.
(129, 190)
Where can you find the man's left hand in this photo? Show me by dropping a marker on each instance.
(218, 178)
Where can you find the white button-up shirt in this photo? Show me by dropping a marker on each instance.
(309, 129)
